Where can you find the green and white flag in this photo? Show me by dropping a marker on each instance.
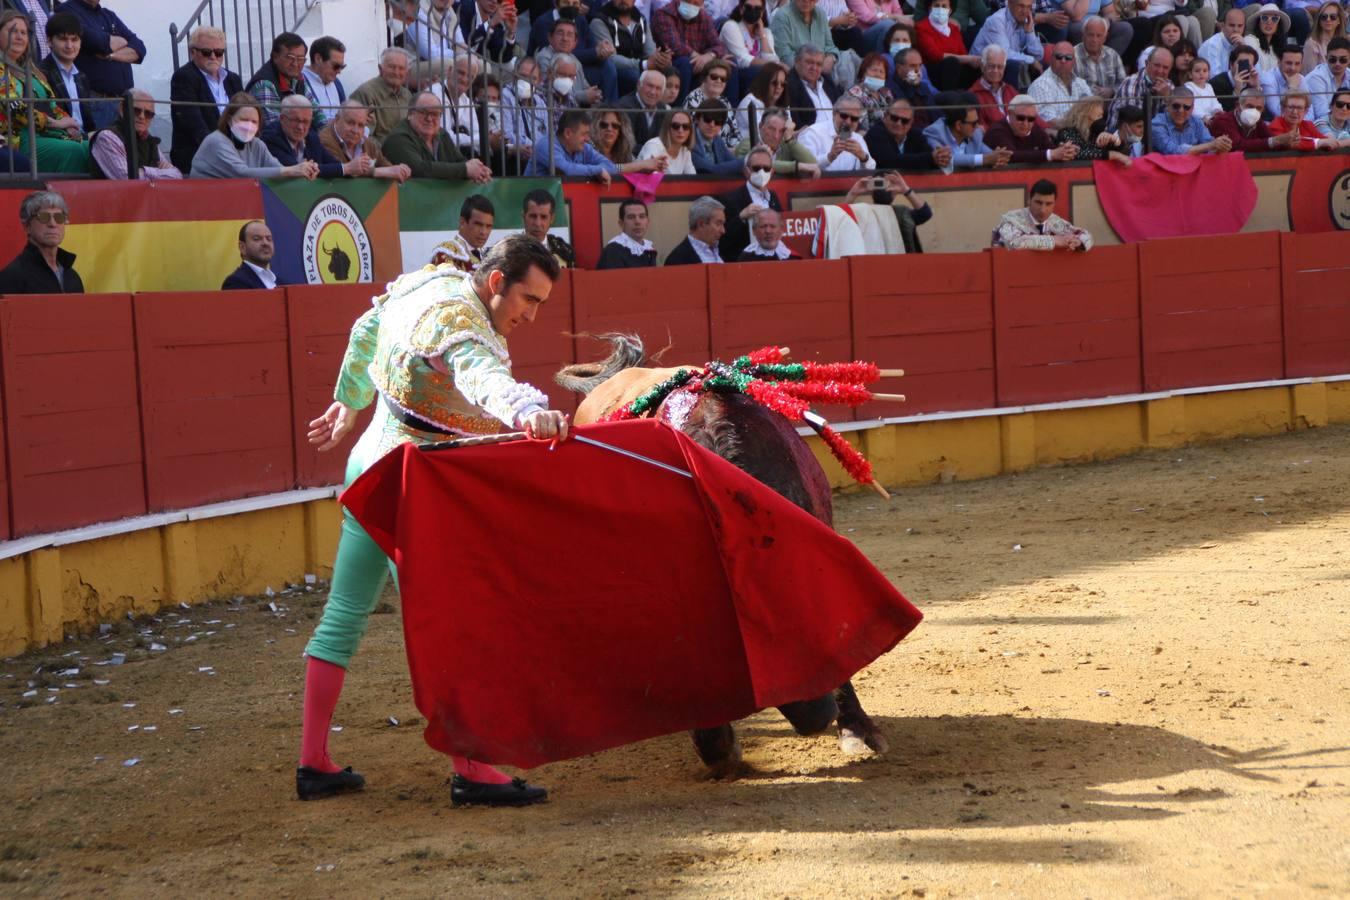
(428, 212)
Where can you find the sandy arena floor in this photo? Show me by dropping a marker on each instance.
(1148, 698)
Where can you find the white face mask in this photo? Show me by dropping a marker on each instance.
(1249, 117)
(524, 89)
(563, 85)
(244, 130)
(939, 15)
(759, 179)
(912, 77)
(898, 46)
(689, 12)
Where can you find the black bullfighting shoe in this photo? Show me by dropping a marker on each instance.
(311, 784)
(515, 792)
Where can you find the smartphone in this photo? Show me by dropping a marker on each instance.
(1244, 65)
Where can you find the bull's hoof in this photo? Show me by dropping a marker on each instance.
(729, 768)
(857, 741)
(720, 750)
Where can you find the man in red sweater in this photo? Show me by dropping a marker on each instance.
(1023, 135)
(1243, 126)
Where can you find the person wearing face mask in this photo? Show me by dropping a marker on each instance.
(596, 57)
(750, 198)
(871, 90)
(524, 102)
(747, 36)
(910, 85)
(767, 246)
(875, 18)
(233, 150)
(943, 48)
(1128, 136)
(1244, 127)
(684, 28)
(199, 90)
(967, 15)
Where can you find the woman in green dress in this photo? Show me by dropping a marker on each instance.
(61, 146)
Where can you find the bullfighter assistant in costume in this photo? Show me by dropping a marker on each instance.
(434, 351)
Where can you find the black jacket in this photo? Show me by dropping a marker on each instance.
(637, 118)
(737, 236)
(191, 124)
(28, 273)
(617, 256)
(803, 107)
(53, 73)
(630, 44)
(1223, 91)
(915, 153)
(245, 279)
(281, 148)
(684, 254)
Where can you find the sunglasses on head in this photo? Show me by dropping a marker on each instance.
(48, 216)
(1025, 118)
(899, 120)
(1182, 107)
(218, 54)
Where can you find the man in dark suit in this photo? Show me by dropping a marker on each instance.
(255, 271)
(292, 140)
(644, 107)
(203, 80)
(629, 249)
(808, 88)
(1242, 73)
(895, 143)
(707, 224)
(767, 245)
(64, 34)
(741, 204)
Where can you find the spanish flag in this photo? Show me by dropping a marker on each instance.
(157, 236)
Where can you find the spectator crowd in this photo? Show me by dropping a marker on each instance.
(473, 90)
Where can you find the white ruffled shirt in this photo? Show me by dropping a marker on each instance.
(779, 252)
(631, 245)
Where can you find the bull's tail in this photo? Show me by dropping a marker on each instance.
(626, 351)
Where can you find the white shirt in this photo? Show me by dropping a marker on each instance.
(757, 195)
(68, 79)
(681, 163)
(819, 138)
(1205, 103)
(1216, 49)
(216, 86)
(326, 95)
(269, 278)
(1052, 98)
(779, 252)
(706, 252)
(819, 99)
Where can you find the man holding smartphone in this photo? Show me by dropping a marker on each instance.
(1242, 74)
(835, 141)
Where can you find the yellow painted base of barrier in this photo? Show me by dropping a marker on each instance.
(51, 591)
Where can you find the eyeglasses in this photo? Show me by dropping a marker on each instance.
(1269, 17)
(714, 76)
(1064, 57)
(1341, 104)
(146, 114)
(1025, 118)
(679, 126)
(761, 168)
(338, 67)
(899, 120)
(294, 57)
(971, 123)
(211, 51)
(848, 117)
(48, 216)
(1182, 107)
(1329, 16)
(1339, 60)
(607, 126)
(428, 113)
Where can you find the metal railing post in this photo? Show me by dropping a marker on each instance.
(484, 142)
(129, 137)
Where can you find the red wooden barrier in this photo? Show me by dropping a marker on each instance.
(1316, 268)
(70, 402)
(1211, 311)
(542, 347)
(4, 465)
(804, 305)
(319, 320)
(933, 316)
(664, 306)
(1066, 324)
(215, 396)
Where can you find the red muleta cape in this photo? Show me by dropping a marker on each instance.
(557, 602)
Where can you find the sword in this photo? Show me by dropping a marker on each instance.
(512, 436)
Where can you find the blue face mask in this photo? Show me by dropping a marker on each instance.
(872, 83)
(689, 11)
(898, 46)
(939, 15)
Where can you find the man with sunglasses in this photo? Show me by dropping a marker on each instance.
(109, 151)
(200, 91)
(327, 59)
(1336, 124)
(835, 142)
(1329, 77)
(1175, 131)
(42, 267)
(1020, 131)
(1058, 88)
(896, 144)
(753, 196)
(960, 131)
